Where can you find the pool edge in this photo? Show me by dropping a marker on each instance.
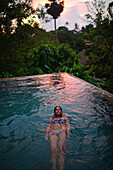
(100, 91)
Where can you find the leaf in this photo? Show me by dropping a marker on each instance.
(39, 70)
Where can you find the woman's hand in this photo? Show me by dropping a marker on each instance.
(68, 133)
(46, 137)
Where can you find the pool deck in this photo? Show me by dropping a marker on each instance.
(94, 88)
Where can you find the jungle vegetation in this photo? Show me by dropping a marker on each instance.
(27, 49)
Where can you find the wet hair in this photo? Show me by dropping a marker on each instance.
(54, 111)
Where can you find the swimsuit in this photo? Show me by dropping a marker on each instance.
(59, 121)
(57, 132)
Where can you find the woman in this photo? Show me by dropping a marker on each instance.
(57, 131)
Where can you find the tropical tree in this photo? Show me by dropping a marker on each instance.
(13, 9)
(54, 9)
(96, 10)
(101, 51)
(76, 28)
(110, 9)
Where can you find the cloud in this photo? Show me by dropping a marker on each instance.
(37, 2)
(71, 15)
(73, 10)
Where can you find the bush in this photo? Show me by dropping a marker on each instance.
(79, 44)
(67, 56)
(44, 59)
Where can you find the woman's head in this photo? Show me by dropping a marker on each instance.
(58, 111)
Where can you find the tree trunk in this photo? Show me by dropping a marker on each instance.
(55, 31)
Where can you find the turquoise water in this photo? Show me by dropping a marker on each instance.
(26, 105)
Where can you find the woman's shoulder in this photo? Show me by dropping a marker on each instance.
(66, 118)
(50, 119)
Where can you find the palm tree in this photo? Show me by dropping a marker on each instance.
(110, 9)
(54, 9)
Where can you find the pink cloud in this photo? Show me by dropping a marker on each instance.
(73, 10)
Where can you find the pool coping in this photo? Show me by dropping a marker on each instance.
(100, 91)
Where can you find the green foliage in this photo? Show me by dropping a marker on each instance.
(15, 59)
(66, 36)
(66, 52)
(79, 44)
(79, 70)
(109, 85)
(93, 58)
(100, 52)
(66, 57)
(48, 57)
(43, 59)
(10, 10)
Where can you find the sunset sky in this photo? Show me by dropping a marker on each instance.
(74, 11)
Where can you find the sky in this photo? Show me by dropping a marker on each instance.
(74, 12)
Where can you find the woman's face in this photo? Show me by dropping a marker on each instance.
(58, 111)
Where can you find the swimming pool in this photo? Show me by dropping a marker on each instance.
(27, 103)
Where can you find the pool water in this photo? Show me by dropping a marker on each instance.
(27, 103)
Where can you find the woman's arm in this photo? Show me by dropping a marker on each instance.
(68, 127)
(68, 124)
(48, 129)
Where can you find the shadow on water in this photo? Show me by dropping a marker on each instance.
(27, 104)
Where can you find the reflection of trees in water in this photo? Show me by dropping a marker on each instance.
(57, 80)
(50, 80)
